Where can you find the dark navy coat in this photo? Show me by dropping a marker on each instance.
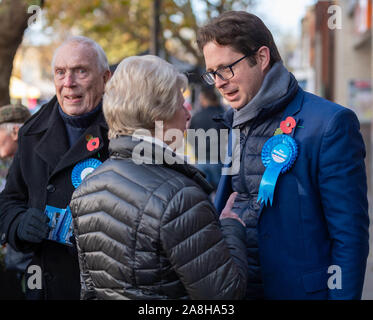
(40, 175)
(319, 217)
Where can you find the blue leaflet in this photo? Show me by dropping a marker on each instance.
(54, 214)
(60, 223)
(66, 229)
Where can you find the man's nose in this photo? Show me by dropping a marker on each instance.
(219, 82)
(69, 80)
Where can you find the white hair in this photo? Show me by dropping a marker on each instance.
(143, 89)
(102, 61)
(8, 126)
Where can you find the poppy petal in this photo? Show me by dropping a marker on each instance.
(93, 144)
(292, 121)
(285, 128)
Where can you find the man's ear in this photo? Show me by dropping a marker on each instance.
(14, 133)
(107, 76)
(263, 57)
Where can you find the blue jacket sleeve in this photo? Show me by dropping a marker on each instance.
(343, 191)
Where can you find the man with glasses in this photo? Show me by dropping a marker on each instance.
(301, 184)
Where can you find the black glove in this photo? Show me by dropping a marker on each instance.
(33, 226)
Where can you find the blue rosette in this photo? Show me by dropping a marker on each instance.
(83, 169)
(278, 156)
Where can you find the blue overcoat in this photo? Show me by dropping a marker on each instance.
(314, 240)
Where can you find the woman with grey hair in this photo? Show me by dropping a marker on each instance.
(144, 225)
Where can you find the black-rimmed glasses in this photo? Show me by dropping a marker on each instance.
(224, 73)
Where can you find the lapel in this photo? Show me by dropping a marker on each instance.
(79, 150)
(291, 110)
(53, 146)
(55, 135)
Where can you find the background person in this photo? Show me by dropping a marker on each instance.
(203, 119)
(12, 118)
(147, 230)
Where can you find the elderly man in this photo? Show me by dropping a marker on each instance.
(67, 130)
(301, 184)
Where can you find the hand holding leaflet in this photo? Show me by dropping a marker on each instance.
(60, 224)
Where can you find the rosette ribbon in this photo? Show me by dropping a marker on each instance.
(83, 169)
(278, 155)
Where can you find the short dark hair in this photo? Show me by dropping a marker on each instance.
(210, 95)
(243, 31)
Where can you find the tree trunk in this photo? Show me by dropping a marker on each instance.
(13, 22)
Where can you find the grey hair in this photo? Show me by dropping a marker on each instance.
(143, 89)
(8, 126)
(101, 56)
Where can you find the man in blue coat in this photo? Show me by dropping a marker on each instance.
(305, 208)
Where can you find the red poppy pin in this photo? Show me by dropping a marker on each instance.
(93, 144)
(288, 125)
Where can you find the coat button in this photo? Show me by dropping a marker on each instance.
(51, 188)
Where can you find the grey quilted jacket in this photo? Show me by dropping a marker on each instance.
(148, 231)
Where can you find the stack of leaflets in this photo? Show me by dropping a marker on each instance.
(61, 224)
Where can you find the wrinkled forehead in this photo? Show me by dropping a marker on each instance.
(4, 132)
(73, 54)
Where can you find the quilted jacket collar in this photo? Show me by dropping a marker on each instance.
(144, 152)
